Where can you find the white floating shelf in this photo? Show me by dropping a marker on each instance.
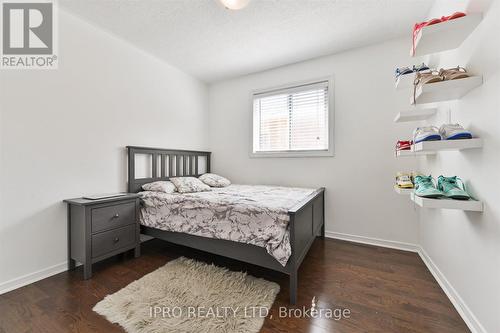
(444, 36)
(403, 191)
(432, 147)
(442, 145)
(405, 81)
(469, 205)
(412, 153)
(446, 90)
(414, 115)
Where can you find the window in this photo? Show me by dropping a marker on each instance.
(293, 121)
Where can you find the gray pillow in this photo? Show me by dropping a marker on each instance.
(189, 185)
(213, 180)
(160, 186)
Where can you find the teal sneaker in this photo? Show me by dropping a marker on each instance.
(424, 187)
(453, 187)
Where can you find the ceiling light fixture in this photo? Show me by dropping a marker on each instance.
(235, 4)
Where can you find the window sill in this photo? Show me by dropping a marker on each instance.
(283, 154)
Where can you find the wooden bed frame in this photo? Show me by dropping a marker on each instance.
(307, 218)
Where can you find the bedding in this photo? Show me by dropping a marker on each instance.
(160, 186)
(189, 185)
(252, 214)
(213, 180)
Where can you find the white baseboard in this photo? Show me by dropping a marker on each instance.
(463, 310)
(373, 241)
(42, 274)
(469, 318)
(32, 277)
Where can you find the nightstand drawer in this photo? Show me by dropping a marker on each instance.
(111, 240)
(114, 216)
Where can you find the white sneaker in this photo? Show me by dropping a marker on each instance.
(427, 133)
(454, 132)
(403, 180)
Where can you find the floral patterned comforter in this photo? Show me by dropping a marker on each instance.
(252, 214)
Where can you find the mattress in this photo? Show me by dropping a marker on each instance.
(251, 214)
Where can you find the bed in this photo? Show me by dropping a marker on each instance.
(268, 226)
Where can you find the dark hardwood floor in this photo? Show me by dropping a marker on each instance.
(385, 290)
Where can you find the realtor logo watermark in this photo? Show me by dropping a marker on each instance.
(29, 34)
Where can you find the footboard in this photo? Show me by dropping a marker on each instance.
(307, 220)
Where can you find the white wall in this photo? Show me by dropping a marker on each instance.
(359, 196)
(466, 246)
(63, 134)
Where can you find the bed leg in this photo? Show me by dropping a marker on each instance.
(322, 235)
(293, 288)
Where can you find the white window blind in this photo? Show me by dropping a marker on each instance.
(292, 120)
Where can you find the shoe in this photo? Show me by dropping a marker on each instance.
(427, 133)
(453, 73)
(414, 175)
(424, 187)
(407, 70)
(453, 188)
(454, 132)
(403, 145)
(428, 77)
(452, 17)
(403, 180)
(422, 78)
(421, 68)
(403, 71)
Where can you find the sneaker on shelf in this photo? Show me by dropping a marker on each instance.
(427, 133)
(454, 132)
(421, 68)
(453, 188)
(454, 16)
(403, 180)
(454, 73)
(402, 71)
(403, 145)
(425, 187)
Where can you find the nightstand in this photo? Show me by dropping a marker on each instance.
(99, 229)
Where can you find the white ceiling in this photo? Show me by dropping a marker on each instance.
(212, 43)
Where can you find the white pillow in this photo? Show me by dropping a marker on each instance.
(213, 180)
(160, 186)
(189, 184)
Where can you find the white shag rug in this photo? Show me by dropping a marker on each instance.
(189, 296)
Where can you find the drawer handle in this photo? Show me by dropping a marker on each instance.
(116, 216)
(116, 240)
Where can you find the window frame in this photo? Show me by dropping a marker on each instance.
(301, 153)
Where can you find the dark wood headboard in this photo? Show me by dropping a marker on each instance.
(165, 163)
